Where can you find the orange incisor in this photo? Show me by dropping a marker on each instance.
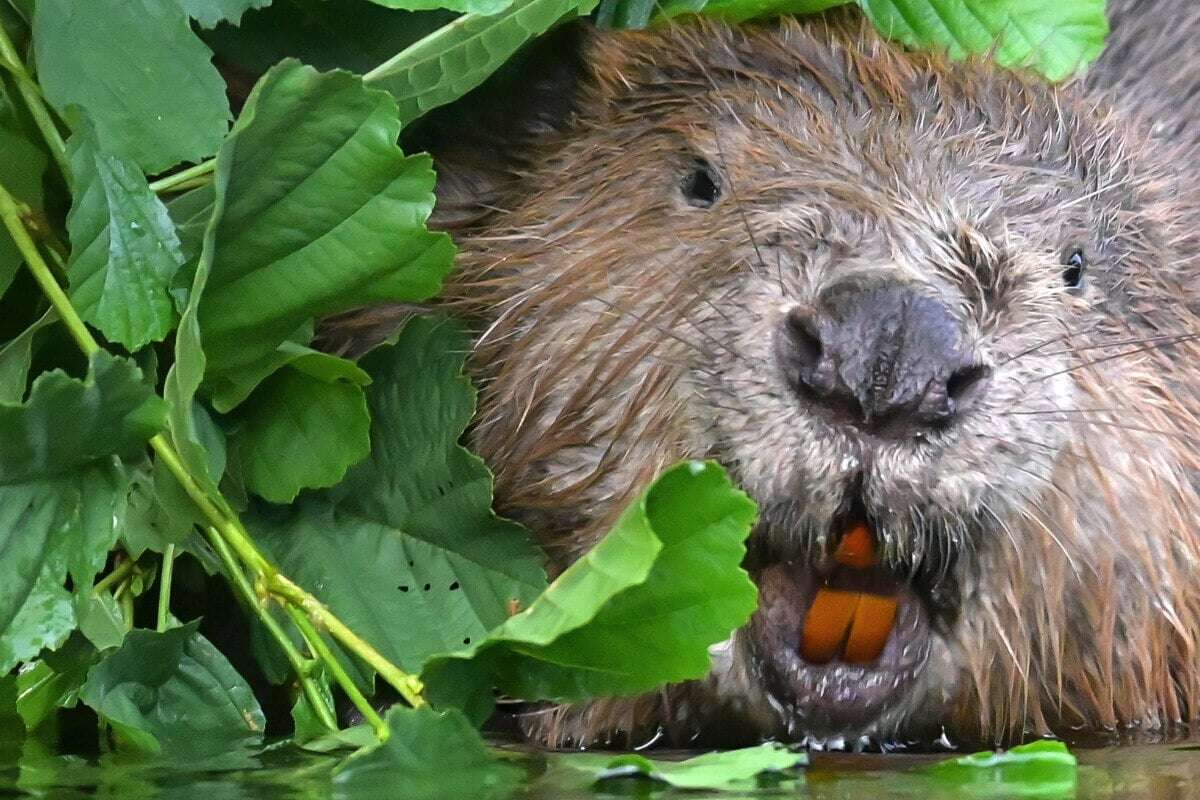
(855, 625)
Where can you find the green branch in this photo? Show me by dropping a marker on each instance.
(164, 588)
(185, 178)
(10, 59)
(300, 666)
(118, 574)
(320, 650)
(225, 530)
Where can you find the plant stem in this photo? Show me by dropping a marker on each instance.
(164, 588)
(226, 529)
(321, 650)
(409, 686)
(299, 664)
(10, 212)
(118, 574)
(184, 178)
(125, 598)
(11, 60)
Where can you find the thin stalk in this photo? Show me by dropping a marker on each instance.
(409, 686)
(11, 60)
(299, 664)
(184, 179)
(118, 574)
(125, 599)
(164, 588)
(321, 650)
(10, 212)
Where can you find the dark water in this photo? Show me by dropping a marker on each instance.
(1138, 772)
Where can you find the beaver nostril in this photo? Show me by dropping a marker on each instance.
(966, 383)
(805, 339)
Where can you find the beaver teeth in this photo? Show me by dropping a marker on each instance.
(854, 624)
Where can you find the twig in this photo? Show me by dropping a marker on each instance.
(10, 59)
(321, 650)
(164, 587)
(185, 178)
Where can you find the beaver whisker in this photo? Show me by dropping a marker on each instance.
(1034, 348)
(1105, 359)
(1162, 341)
(737, 203)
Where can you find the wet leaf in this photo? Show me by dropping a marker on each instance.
(211, 12)
(124, 249)
(21, 167)
(431, 755)
(1039, 769)
(173, 695)
(61, 493)
(729, 770)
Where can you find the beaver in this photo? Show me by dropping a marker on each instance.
(937, 299)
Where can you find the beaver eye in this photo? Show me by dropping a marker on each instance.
(1074, 268)
(700, 187)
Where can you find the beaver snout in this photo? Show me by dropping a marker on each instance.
(889, 359)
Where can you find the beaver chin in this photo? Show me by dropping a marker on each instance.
(834, 690)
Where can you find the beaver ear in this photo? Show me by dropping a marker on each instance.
(481, 142)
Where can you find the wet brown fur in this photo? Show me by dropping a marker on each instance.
(611, 315)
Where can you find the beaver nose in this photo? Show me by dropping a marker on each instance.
(889, 358)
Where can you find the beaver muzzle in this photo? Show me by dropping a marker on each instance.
(841, 641)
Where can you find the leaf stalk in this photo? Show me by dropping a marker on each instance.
(321, 650)
(164, 588)
(10, 59)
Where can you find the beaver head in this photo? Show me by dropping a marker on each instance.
(945, 302)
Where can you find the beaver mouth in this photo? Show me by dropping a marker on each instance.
(840, 642)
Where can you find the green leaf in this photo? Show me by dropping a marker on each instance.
(43, 621)
(300, 432)
(456, 58)
(124, 250)
(318, 212)
(730, 770)
(639, 610)
(234, 387)
(307, 725)
(21, 168)
(636, 15)
(173, 694)
(354, 35)
(61, 494)
(100, 619)
(68, 423)
(159, 512)
(192, 438)
(1057, 39)
(15, 358)
(463, 6)
(140, 74)
(413, 522)
(1038, 769)
(211, 12)
(54, 682)
(430, 755)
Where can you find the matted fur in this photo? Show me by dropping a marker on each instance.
(622, 329)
